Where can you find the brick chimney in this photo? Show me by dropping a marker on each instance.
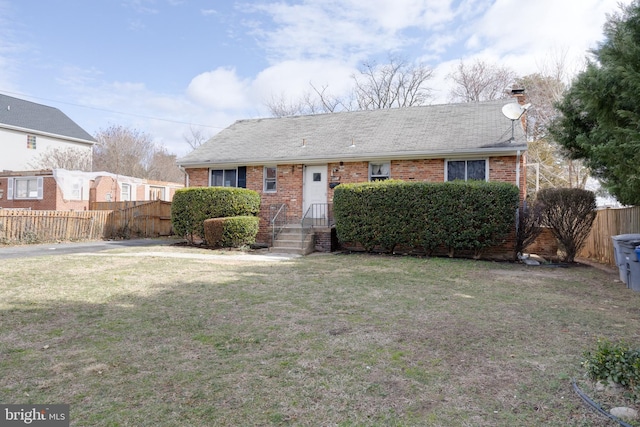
(518, 94)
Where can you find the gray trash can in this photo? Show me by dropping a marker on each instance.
(632, 266)
(621, 254)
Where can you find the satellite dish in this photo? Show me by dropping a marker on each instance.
(513, 111)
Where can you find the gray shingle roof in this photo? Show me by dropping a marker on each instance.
(429, 131)
(28, 115)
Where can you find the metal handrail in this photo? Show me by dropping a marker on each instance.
(318, 215)
(278, 221)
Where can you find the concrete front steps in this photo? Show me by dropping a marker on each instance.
(290, 241)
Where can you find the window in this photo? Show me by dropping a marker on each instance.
(156, 193)
(379, 171)
(229, 177)
(466, 170)
(31, 142)
(125, 192)
(76, 190)
(25, 188)
(270, 179)
(224, 178)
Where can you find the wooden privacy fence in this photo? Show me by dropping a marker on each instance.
(609, 222)
(131, 219)
(22, 226)
(148, 219)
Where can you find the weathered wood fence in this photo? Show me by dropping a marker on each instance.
(22, 226)
(609, 222)
(106, 220)
(135, 219)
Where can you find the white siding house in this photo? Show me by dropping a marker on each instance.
(28, 130)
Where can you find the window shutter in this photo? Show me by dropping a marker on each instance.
(40, 187)
(242, 176)
(10, 189)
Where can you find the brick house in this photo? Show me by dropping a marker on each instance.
(297, 161)
(60, 189)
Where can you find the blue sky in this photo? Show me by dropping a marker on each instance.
(165, 66)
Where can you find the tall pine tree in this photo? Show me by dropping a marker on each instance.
(600, 114)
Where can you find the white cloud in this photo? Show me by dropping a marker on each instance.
(293, 78)
(533, 28)
(348, 29)
(221, 89)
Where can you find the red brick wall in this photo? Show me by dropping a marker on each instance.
(48, 202)
(503, 169)
(430, 170)
(103, 186)
(198, 177)
(545, 245)
(289, 192)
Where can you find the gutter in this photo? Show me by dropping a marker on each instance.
(460, 154)
(49, 134)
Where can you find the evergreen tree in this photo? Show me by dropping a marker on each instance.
(600, 120)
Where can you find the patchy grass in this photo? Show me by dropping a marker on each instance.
(335, 340)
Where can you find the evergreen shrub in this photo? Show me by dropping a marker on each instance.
(458, 216)
(192, 206)
(231, 232)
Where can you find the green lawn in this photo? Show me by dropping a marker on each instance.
(331, 340)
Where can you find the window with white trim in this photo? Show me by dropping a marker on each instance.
(156, 193)
(76, 190)
(270, 179)
(125, 192)
(466, 170)
(379, 171)
(25, 188)
(236, 177)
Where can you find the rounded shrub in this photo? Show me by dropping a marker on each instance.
(231, 232)
(192, 206)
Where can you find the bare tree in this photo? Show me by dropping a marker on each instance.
(163, 167)
(64, 158)
(544, 90)
(396, 84)
(315, 101)
(122, 151)
(480, 81)
(195, 137)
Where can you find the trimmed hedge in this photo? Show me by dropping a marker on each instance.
(191, 206)
(231, 232)
(455, 215)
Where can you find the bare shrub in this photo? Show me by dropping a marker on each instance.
(570, 213)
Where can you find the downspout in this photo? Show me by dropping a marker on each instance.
(518, 169)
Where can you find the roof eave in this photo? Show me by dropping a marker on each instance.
(483, 152)
(54, 135)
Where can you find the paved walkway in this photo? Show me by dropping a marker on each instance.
(94, 248)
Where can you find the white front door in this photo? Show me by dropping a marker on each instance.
(315, 191)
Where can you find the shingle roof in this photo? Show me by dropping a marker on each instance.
(429, 131)
(28, 115)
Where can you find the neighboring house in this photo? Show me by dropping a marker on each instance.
(298, 161)
(60, 189)
(28, 130)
